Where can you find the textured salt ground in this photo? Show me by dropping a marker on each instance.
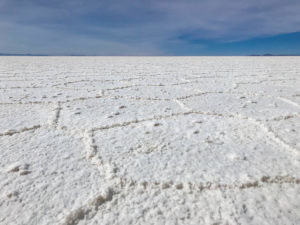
(159, 140)
(14, 118)
(193, 149)
(44, 95)
(274, 204)
(55, 164)
(106, 111)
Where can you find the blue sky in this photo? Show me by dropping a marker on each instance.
(150, 27)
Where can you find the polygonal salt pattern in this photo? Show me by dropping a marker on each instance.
(149, 140)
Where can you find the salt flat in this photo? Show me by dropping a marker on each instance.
(149, 140)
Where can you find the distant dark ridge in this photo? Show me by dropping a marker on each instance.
(268, 54)
(8, 54)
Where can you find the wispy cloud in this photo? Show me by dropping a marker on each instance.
(138, 27)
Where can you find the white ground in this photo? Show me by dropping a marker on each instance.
(149, 140)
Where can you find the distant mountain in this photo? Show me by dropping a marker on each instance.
(8, 54)
(268, 54)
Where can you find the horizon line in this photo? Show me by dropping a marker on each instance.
(81, 55)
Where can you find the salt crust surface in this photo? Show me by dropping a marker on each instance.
(149, 140)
